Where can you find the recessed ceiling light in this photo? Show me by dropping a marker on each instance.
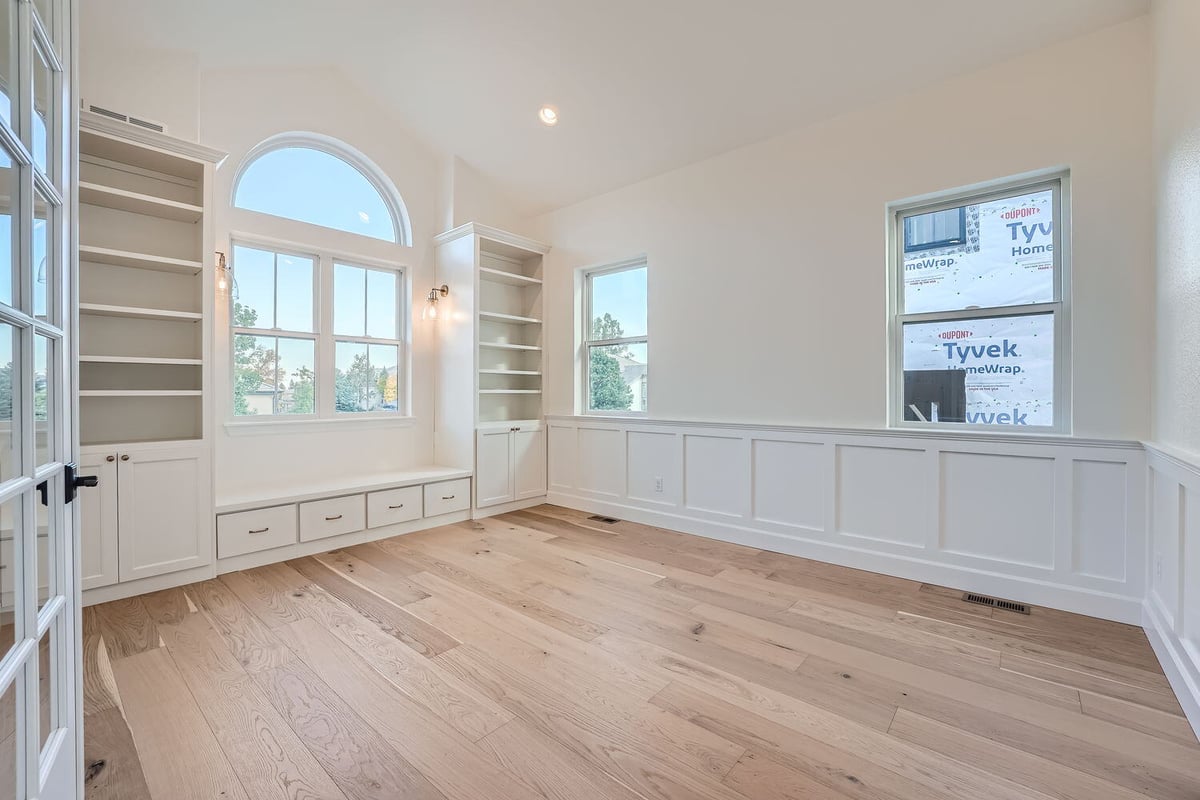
(548, 115)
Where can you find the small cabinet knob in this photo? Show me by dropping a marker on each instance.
(110, 459)
(125, 457)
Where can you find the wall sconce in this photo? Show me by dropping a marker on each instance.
(222, 272)
(431, 302)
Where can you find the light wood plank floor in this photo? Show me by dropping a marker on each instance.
(541, 654)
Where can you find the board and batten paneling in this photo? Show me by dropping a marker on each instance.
(1050, 521)
(1172, 607)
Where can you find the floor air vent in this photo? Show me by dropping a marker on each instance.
(995, 602)
(605, 520)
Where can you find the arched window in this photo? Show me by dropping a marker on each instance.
(321, 181)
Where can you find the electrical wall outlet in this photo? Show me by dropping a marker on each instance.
(658, 484)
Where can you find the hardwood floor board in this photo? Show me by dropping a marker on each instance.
(168, 606)
(1128, 761)
(379, 558)
(391, 618)
(792, 692)
(1004, 643)
(852, 647)
(544, 655)
(112, 766)
(126, 627)
(394, 588)
(99, 686)
(529, 546)
(354, 755)
(764, 778)
(1027, 769)
(1158, 698)
(814, 759)
(1139, 717)
(541, 649)
(261, 747)
(267, 592)
(448, 760)
(893, 633)
(680, 630)
(649, 767)
(938, 776)
(550, 768)
(518, 601)
(421, 678)
(251, 642)
(179, 754)
(645, 551)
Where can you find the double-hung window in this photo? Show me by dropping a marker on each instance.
(979, 306)
(615, 341)
(274, 332)
(315, 335)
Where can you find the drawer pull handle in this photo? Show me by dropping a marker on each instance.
(393, 508)
(260, 530)
(447, 497)
(331, 519)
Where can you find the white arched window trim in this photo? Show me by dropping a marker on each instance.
(338, 149)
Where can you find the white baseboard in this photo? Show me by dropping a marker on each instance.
(504, 508)
(1043, 593)
(1180, 663)
(120, 591)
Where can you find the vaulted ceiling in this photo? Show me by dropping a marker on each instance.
(642, 86)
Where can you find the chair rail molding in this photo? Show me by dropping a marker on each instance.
(1048, 520)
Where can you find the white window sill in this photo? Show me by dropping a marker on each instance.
(266, 427)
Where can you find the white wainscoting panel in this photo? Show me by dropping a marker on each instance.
(1172, 607)
(1052, 521)
(652, 467)
(881, 494)
(715, 478)
(998, 507)
(789, 481)
(600, 461)
(1101, 489)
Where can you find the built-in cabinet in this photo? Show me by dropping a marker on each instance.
(489, 416)
(510, 463)
(145, 279)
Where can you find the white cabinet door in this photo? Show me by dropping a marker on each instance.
(529, 462)
(98, 521)
(163, 511)
(493, 467)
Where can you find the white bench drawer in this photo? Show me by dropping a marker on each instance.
(337, 515)
(251, 531)
(393, 505)
(447, 496)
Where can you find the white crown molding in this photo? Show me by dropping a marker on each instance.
(96, 123)
(494, 234)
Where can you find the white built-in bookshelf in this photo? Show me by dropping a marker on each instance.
(510, 326)
(145, 294)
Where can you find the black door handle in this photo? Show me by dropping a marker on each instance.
(72, 482)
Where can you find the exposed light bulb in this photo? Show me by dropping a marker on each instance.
(548, 115)
(430, 311)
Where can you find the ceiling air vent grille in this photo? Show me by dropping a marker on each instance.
(995, 602)
(149, 125)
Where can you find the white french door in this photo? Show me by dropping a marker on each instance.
(40, 725)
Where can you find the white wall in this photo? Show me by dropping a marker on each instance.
(768, 267)
(233, 110)
(1173, 605)
(1177, 173)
